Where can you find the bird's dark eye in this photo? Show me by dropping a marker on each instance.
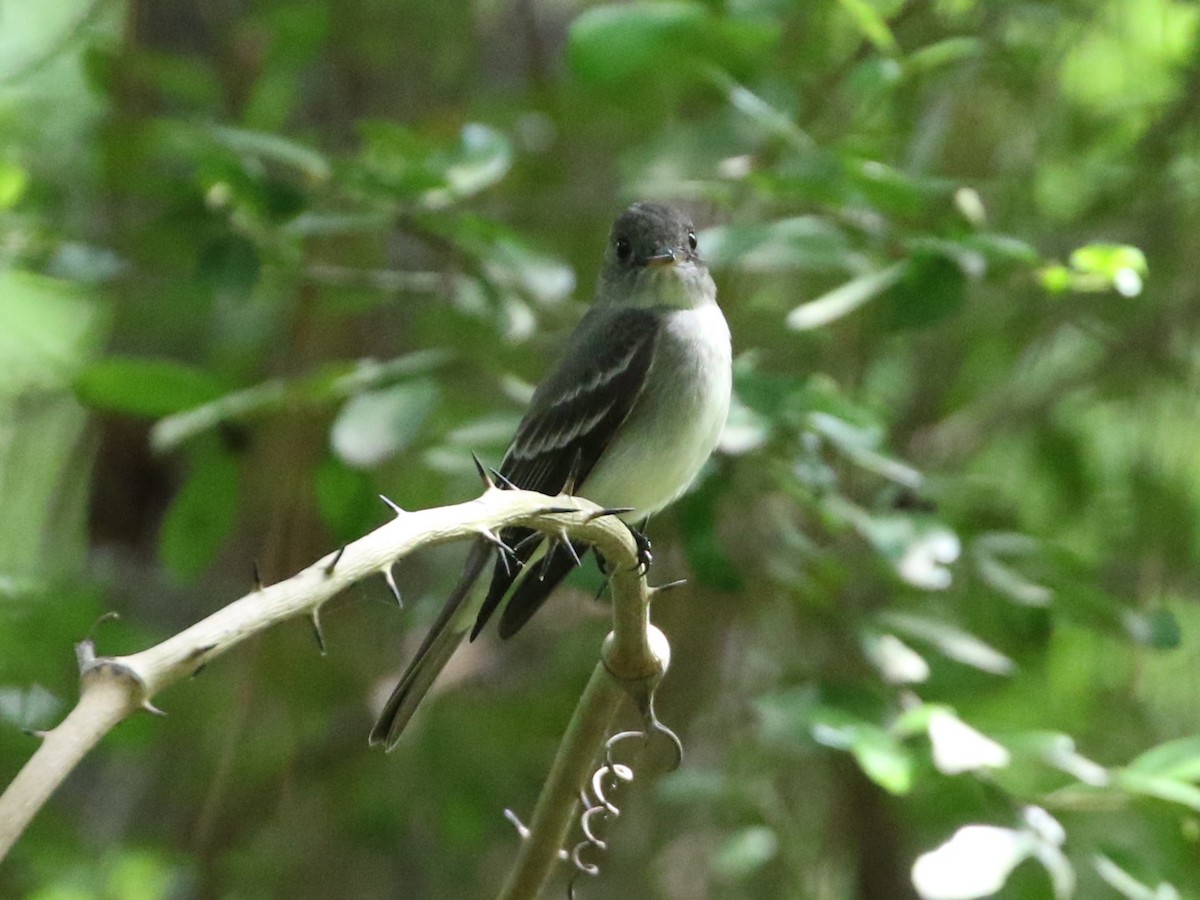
(624, 248)
(692, 239)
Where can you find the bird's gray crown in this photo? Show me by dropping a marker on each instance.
(651, 261)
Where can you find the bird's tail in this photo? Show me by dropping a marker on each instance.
(452, 625)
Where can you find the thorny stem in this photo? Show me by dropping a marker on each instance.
(113, 688)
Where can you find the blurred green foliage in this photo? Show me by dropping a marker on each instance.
(260, 261)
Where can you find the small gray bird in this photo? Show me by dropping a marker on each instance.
(629, 415)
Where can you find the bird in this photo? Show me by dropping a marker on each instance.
(627, 418)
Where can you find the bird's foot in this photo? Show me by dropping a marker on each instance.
(644, 557)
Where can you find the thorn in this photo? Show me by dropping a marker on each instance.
(566, 542)
(542, 569)
(200, 651)
(522, 830)
(492, 538)
(612, 511)
(258, 585)
(504, 482)
(506, 552)
(110, 616)
(484, 476)
(394, 507)
(669, 586)
(391, 581)
(603, 586)
(556, 510)
(534, 538)
(152, 709)
(337, 557)
(197, 654)
(572, 481)
(317, 633)
(35, 732)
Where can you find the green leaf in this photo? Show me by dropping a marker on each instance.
(229, 267)
(1178, 759)
(885, 761)
(992, 553)
(952, 641)
(200, 516)
(334, 381)
(141, 875)
(13, 181)
(942, 53)
(871, 24)
(1000, 250)
(895, 191)
(845, 298)
(376, 425)
(405, 165)
(615, 44)
(1159, 787)
(316, 223)
(1108, 259)
(145, 387)
(772, 121)
(481, 159)
(273, 148)
(509, 260)
(47, 328)
(1118, 265)
(809, 243)
(745, 852)
(1161, 629)
(878, 752)
(1099, 267)
(1129, 887)
(861, 445)
(932, 288)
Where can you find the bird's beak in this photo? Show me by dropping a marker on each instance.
(666, 258)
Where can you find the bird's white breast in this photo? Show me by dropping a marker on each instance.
(677, 420)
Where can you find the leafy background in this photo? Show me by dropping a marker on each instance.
(262, 260)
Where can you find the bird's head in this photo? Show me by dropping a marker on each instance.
(652, 260)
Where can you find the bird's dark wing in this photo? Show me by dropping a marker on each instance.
(571, 421)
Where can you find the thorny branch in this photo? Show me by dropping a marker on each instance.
(113, 688)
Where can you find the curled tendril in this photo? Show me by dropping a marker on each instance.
(598, 807)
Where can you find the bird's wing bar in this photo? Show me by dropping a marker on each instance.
(578, 409)
(574, 415)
